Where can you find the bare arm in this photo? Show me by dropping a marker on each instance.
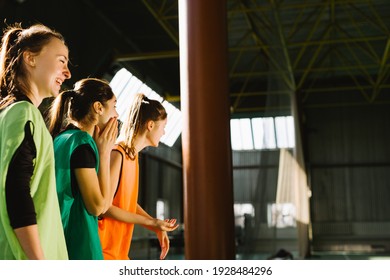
(171, 222)
(90, 190)
(95, 188)
(29, 241)
(133, 218)
(122, 215)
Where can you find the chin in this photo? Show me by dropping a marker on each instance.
(54, 93)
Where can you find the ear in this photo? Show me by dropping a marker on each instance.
(150, 125)
(29, 58)
(98, 107)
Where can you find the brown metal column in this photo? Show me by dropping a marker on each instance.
(207, 165)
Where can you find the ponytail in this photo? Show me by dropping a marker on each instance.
(75, 105)
(9, 58)
(58, 117)
(141, 111)
(132, 126)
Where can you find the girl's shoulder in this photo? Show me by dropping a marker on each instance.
(74, 138)
(75, 133)
(21, 109)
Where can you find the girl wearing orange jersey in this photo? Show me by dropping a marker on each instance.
(144, 127)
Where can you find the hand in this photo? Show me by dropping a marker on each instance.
(105, 139)
(163, 236)
(164, 243)
(167, 225)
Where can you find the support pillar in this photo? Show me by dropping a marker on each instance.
(207, 162)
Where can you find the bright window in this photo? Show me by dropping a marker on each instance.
(162, 209)
(285, 132)
(243, 212)
(262, 133)
(281, 215)
(125, 86)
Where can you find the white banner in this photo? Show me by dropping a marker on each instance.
(200, 270)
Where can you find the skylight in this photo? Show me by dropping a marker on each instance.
(262, 133)
(125, 86)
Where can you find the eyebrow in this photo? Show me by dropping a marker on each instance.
(64, 56)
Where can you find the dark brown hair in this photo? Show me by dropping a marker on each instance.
(76, 104)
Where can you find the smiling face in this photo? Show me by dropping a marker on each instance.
(48, 69)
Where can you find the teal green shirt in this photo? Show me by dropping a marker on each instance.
(42, 186)
(80, 227)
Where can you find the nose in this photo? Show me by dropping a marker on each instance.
(67, 72)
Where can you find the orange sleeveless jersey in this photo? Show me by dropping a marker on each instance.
(115, 236)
